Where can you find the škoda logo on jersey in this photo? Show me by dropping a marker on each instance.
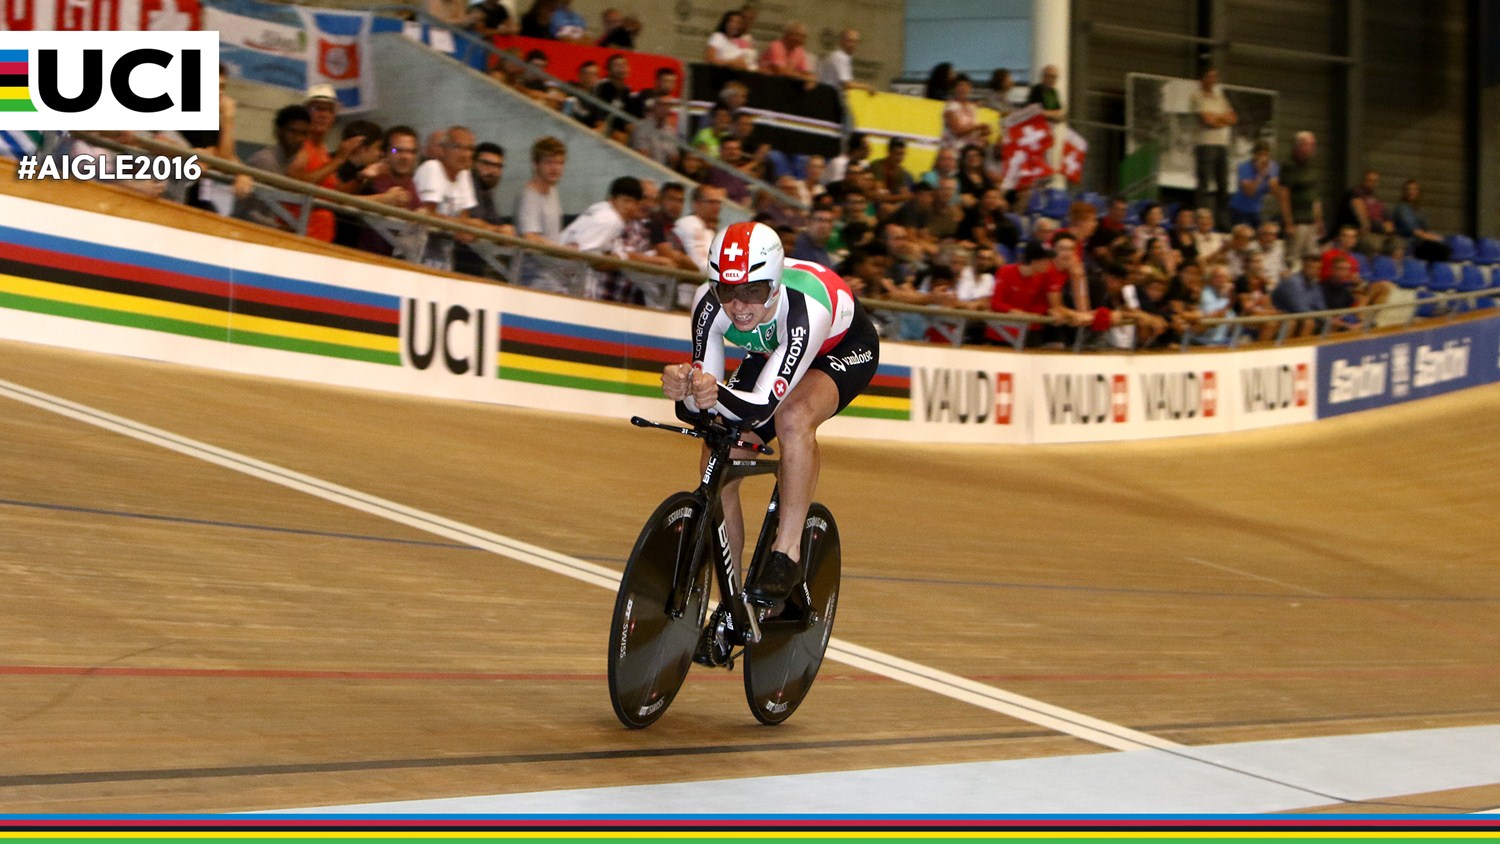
(967, 396)
(116, 81)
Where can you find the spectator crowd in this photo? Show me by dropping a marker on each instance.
(1104, 272)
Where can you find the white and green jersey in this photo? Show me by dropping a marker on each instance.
(813, 312)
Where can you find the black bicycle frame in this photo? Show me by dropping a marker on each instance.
(711, 538)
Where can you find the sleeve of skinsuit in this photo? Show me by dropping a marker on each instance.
(709, 324)
(806, 326)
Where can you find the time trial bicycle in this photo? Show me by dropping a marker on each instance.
(662, 624)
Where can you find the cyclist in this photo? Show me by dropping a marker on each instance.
(811, 350)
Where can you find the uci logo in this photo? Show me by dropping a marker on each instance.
(732, 276)
(127, 81)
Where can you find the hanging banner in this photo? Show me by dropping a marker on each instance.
(338, 44)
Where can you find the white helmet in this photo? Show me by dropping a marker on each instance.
(746, 253)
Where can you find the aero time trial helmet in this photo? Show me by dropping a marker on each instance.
(743, 257)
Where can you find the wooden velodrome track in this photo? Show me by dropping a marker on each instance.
(178, 636)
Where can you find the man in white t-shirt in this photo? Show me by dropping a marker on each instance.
(605, 228)
(837, 68)
(697, 230)
(1215, 117)
(539, 209)
(445, 187)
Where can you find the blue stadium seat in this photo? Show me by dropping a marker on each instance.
(1361, 265)
(1057, 204)
(1487, 252)
(1463, 248)
(1472, 278)
(1441, 278)
(1413, 274)
(1428, 310)
(1384, 268)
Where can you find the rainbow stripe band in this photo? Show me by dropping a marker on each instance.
(15, 81)
(559, 354)
(105, 284)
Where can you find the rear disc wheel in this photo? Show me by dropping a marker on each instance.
(781, 667)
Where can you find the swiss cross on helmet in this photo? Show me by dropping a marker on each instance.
(745, 253)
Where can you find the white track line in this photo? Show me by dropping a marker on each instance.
(939, 682)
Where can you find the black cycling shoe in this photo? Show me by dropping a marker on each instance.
(775, 580)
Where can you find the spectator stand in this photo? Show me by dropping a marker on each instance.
(566, 58)
(504, 254)
(793, 118)
(882, 116)
(495, 54)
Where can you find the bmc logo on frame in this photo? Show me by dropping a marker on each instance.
(116, 81)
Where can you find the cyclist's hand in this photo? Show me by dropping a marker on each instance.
(676, 381)
(705, 390)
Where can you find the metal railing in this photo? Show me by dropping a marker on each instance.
(507, 253)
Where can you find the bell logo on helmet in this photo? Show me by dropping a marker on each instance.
(732, 276)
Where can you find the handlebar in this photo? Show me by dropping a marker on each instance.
(710, 428)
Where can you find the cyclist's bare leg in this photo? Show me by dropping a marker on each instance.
(814, 401)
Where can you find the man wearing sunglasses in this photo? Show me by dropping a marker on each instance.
(811, 351)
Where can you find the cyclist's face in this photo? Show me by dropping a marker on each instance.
(746, 304)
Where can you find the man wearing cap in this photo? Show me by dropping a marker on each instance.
(313, 164)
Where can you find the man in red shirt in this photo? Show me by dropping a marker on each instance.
(1032, 285)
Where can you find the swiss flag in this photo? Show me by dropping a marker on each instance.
(1210, 394)
(1005, 397)
(1028, 139)
(1119, 394)
(1075, 152)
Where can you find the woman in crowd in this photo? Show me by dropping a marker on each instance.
(537, 21)
(730, 44)
(939, 82)
(1183, 238)
(973, 178)
(961, 125)
(999, 96)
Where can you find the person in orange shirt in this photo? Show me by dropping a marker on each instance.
(314, 164)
